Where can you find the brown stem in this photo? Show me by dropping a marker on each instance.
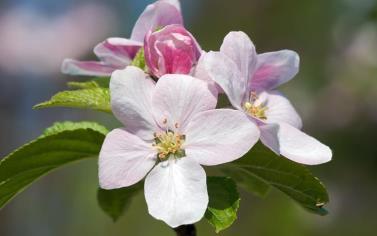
(185, 230)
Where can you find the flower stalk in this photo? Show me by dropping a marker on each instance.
(185, 230)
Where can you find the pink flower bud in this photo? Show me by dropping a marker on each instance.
(171, 50)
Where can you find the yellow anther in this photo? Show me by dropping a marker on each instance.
(248, 105)
(168, 143)
(256, 111)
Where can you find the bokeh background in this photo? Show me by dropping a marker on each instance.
(335, 92)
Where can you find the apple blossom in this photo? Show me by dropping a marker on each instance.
(171, 129)
(117, 53)
(171, 50)
(248, 80)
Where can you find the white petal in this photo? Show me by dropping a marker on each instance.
(178, 98)
(238, 47)
(220, 136)
(227, 75)
(200, 72)
(269, 136)
(176, 192)
(131, 96)
(124, 159)
(274, 69)
(302, 148)
(279, 109)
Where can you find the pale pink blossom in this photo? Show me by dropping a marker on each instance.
(248, 80)
(171, 129)
(171, 50)
(117, 53)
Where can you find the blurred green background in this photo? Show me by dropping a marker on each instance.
(335, 92)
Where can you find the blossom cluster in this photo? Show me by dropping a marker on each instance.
(164, 89)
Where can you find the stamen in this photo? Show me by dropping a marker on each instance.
(257, 111)
(168, 144)
(248, 105)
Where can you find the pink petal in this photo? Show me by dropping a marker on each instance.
(176, 192)
(274, 69)
(124, 159)
(302, 148)
(227, 75)
(171, 50)
(87, 68)
(239, 48)
(158, 14)
(219, 136)
(178, 98)
(279, 109)
(131, 101)
(175, 3)
(117, 51)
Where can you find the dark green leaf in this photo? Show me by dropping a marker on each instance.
(89, 98)
(223, 202)
(293, 179)
(61, 144)
(114, 202)
(249, 182)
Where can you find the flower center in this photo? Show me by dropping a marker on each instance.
(257, 111)
(168, 144)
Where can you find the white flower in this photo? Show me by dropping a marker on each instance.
(171, 129)
(248, 80)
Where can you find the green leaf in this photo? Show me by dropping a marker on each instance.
(223, 203)
(114, 202)
(61, 144)
(250, 183)
(98, 82)
(102, 82)
(291, 178)
(83, 85)
(59, 127)
(89, 98)
(139, 60)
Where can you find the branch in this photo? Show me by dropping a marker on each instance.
(185, 230)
